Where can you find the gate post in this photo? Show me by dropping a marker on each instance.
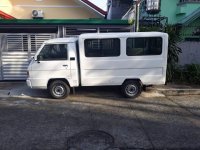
(2, 46)
(29, 46)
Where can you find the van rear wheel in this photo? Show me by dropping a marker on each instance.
(131, 88)
(59, 89)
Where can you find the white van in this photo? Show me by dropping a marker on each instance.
(130, 60)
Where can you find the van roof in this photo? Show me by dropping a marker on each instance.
(122, 34)
(62, 40)
(104, 35)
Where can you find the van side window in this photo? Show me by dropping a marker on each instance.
(144, 46)
(54, 52)
(102, 47)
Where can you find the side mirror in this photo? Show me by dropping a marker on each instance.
(38, 58)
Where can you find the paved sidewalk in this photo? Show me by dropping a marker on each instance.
(20, 89)
(177, 89)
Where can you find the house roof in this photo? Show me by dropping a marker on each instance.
(92, 7)
(62, 22)
(86, 3)
(5, 15)
(191, 17)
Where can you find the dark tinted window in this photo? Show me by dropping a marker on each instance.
(54, 52)
(102, 47)
(144, 46)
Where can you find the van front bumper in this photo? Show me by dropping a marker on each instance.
(36, 83)
(28, 82)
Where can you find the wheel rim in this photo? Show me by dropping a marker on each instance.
(131, 90)
(59, 90)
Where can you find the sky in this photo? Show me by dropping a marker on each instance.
(100, 3)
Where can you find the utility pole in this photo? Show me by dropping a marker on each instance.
(137, 14)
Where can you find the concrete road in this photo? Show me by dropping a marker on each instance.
(100, 121)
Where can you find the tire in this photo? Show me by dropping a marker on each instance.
(131, 88)
(59, 89)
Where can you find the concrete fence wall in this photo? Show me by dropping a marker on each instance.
(190, 53)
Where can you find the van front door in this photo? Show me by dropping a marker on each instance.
(52, 62)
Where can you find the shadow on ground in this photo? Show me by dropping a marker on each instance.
(89, 122)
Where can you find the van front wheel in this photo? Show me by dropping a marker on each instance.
(131, 88)
(59, 89)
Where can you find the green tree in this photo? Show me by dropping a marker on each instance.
(173, 51)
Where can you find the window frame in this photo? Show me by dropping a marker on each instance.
(143, 48)
(57, 59)
(107, 38)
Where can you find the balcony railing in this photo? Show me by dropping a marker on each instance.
(189, 1)
(190, 33)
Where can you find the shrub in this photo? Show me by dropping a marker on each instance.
(187, 74)
(173, 51)
(193, 73)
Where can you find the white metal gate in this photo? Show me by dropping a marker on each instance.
(16, 52)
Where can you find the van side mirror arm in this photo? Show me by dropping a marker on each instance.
(38, 58)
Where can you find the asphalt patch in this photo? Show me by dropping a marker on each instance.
(92, 139)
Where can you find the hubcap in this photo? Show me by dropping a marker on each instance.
(59, 90)
(131, 90)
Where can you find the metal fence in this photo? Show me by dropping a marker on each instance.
(190, 33)
(16, 50)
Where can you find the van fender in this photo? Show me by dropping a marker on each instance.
(61, 79)
(133, 79)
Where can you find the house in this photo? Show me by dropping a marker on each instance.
(118, 8)
(3, 15)
(185, 14)
(25, 25)
(51, 9)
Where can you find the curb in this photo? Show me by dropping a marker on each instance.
(151, 92)
(178, 92)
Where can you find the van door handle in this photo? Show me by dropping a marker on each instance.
(72, 58)
(65, 65)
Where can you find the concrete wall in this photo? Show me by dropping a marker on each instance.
(176, 11)
(168, 9)
(190, 53)
(53, 9)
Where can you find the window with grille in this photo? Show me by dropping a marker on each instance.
(184, 1)
(22, 42)
(144, 46)
(102, 47)
(17, 42)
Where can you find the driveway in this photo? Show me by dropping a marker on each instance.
(95, 120)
